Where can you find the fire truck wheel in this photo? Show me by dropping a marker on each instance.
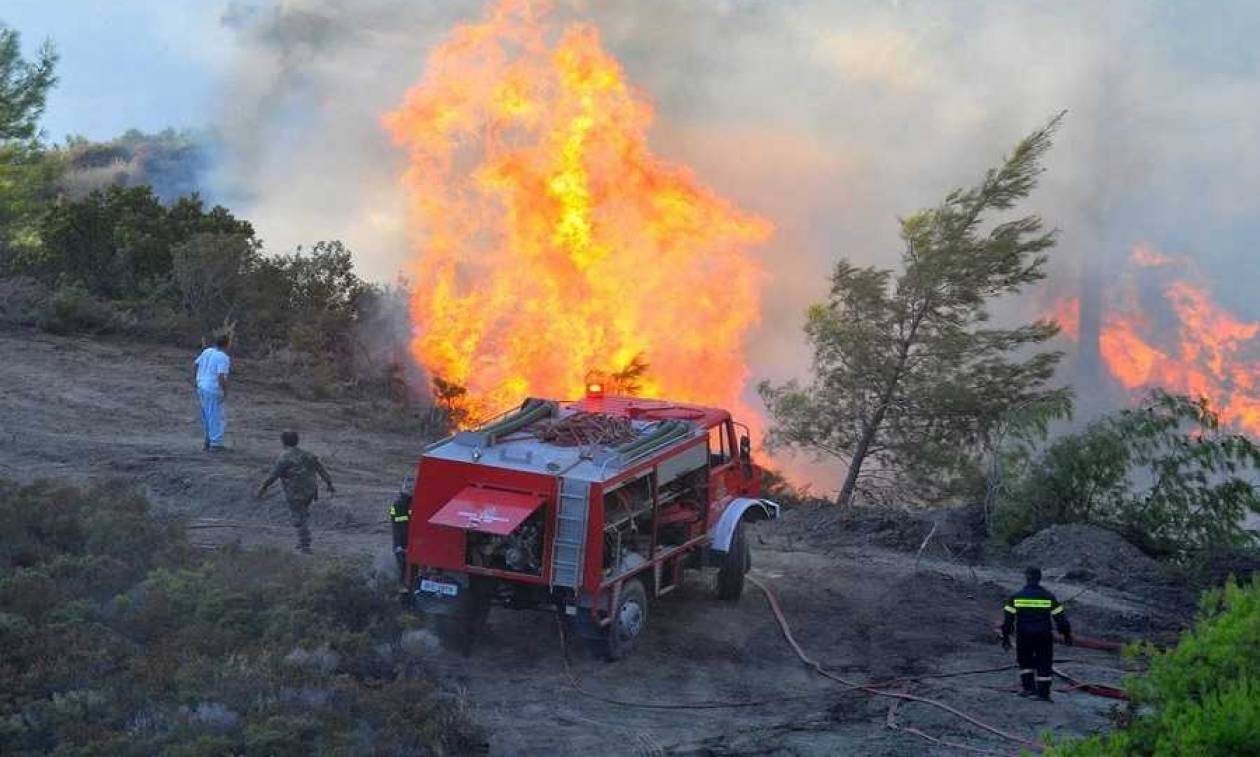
(459, 630)
(628, 621)
(730, 578)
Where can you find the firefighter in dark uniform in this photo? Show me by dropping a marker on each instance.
(1029, 613)
(400, 521)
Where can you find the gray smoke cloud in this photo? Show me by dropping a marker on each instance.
(305, 155)
(172, 163)
(830, 118)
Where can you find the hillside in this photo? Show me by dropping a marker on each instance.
(81, 410)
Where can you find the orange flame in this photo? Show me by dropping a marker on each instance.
(1145, 257)
(1209, 352)
(1067, 313)
(551, 241)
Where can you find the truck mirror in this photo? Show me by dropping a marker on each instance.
(745, 455)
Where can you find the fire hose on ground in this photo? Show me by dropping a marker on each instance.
(786, 628)
(880, 689)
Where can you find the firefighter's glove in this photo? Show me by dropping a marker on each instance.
(1067, 638)
(1006, 643)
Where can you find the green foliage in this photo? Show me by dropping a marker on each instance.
(317, 296)
(119, 638)
(24, 86)
(117, 243)
(74, 310)
(307, 304)
(1201, 697)
(1165, 475)
(26, 178)
(26, 189)
(214, 276)
(909, 380)
(1015, 441)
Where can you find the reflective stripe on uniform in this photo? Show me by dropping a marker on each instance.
(401, 518)
(1009, 609)
(1045, 678)
(1034, 604)
(1057, 610)
(1027, 671)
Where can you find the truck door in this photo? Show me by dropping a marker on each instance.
(749, 474)
(723, 473)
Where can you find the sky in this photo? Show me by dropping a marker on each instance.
(124, 64)
(830, 117)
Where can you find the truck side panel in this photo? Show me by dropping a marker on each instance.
(592, 573)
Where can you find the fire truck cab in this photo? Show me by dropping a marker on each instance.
(587, 508)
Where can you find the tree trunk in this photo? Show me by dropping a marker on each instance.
(845, 497)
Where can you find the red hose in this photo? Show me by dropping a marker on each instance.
(1097, 689)
(1105, 645)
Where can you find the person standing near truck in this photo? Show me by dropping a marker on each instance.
(400, 522)
(213, 366)
(1029, 613)
(296, 469)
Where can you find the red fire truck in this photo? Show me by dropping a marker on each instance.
(589, 508)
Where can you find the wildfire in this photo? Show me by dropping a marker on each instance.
(550, 241)
(1207, 351)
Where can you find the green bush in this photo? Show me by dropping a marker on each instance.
(119, 638)
(1165, 475)
(117, 243)
(1201, 697)
(75, 310)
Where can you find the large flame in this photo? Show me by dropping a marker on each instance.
(551, 242)
(1194, 347)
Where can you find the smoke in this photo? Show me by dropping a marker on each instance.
(305, 155)
(172, 163)
(831, 118)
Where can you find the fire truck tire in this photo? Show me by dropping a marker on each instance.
(730, 578)
(629, 620)
(459, 630)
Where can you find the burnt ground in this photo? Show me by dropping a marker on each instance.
(79, 409)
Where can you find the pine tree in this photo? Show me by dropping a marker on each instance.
(909, 377)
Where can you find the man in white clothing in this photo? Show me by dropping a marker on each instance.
(213, 365)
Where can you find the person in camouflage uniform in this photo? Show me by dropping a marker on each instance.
(296, 469)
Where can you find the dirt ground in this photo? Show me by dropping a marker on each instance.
(80, 409)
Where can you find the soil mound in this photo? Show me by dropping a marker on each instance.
(1087, 554)
(956, 532)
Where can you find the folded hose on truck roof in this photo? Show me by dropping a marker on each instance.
(666, 432)
(532, 410)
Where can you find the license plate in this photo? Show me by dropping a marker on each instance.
(439, 587)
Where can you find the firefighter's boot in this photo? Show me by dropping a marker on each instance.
(1027, 688)
(1043, 690)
